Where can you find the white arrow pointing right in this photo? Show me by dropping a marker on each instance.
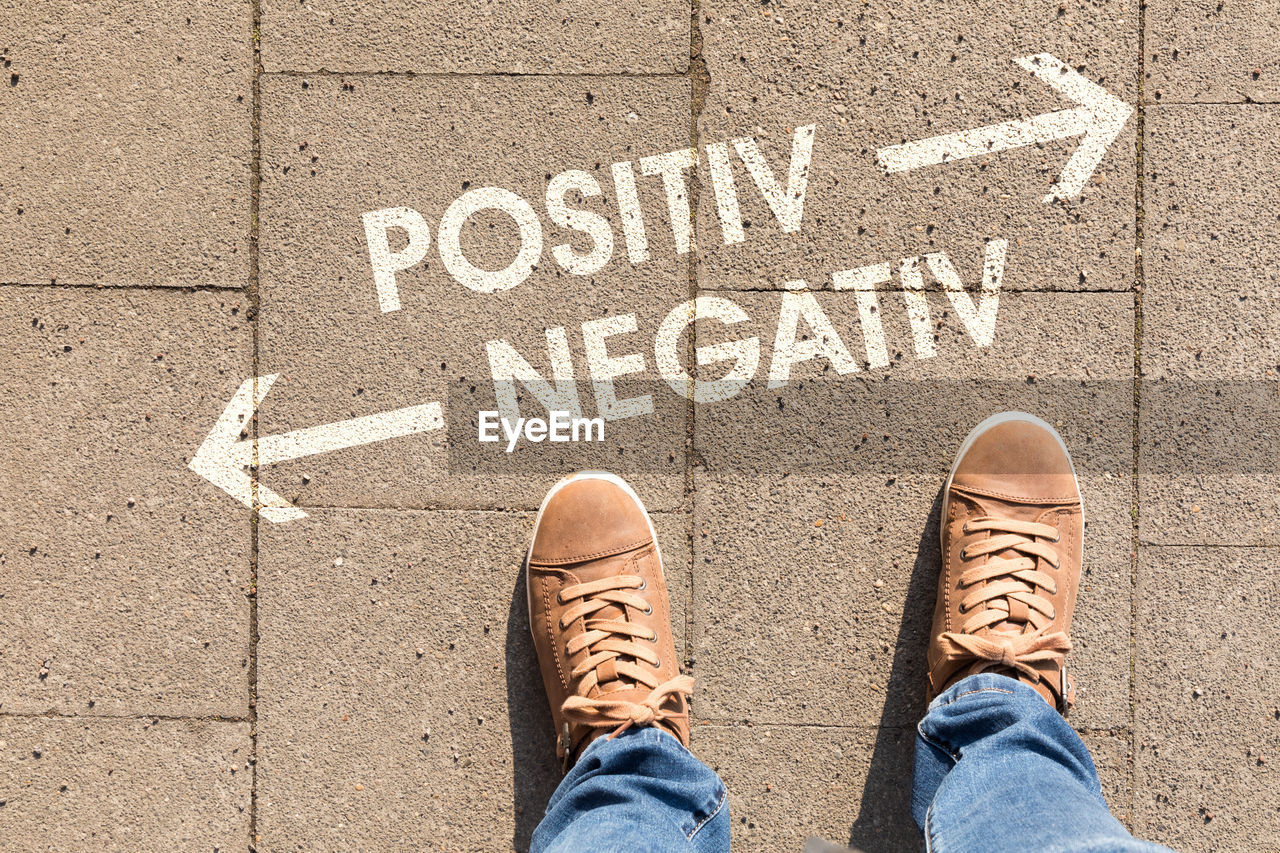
(1099, 117)
(224, 458)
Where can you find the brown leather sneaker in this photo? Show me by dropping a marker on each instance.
(599, 614)
(1012, 529)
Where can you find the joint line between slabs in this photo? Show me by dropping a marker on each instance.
(1159, 104)
(720, 723)
(174, 288)
(696, 75)
(255, 305)
(491, 510)
(472, 75)
(161, 718)
(935, 289)
(1139, 234)
(1275, 546)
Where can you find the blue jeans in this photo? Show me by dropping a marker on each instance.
(997, 769)
(641, 792)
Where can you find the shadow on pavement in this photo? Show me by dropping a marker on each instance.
(535, 770)
(884, 818)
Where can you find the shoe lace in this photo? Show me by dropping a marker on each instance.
(1009, 581)
(615, 652)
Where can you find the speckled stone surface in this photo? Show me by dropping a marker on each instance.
(182, 203)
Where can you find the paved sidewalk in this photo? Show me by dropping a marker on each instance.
(182, 201)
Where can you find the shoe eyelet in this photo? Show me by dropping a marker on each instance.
(644, 583)
(963, 609)
(649, 611)
(654, 638)
(964, 553)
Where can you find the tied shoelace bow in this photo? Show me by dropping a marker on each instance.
(614, 650)
(1008, 594)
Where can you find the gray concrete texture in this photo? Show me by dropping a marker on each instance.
(1207, 728)
(125, 784)
(1211, 313)
(1212, 51)
(473, 37)
(120, 596)
(125, 158)
(179, 673)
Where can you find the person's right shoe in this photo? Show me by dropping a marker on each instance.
(600, 617)
(1012, 530)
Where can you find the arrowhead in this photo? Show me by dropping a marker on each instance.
(1104, 114)
(225, 456)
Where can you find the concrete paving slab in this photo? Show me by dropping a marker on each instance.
(789, 783)
(472, 37)
(1211, 247)
(831, 623)
(1209, 471)
(127, 573)
(1206, 51)
(1112, 753)
(1208, 723)
(145, 785)
(400, 701)
(815, 514)
(334, 150)
(1210, 463)
(126, 152)
(877, 74)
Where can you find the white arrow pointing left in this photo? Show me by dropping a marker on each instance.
(225, 457)
(1099, 118)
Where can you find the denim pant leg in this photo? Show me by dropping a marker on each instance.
(641, 792)
(998, 769)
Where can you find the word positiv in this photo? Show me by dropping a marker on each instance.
(786, 203)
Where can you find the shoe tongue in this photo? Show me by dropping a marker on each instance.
(608, 567)
(996, 508)
(1008, 628)
(1019, 623)
(621, 691)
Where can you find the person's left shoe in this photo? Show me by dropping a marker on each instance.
(600, 618)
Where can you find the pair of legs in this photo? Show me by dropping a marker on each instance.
(997, 767)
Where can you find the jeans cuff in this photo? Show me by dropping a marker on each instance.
(641, 733)
(984, 681)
